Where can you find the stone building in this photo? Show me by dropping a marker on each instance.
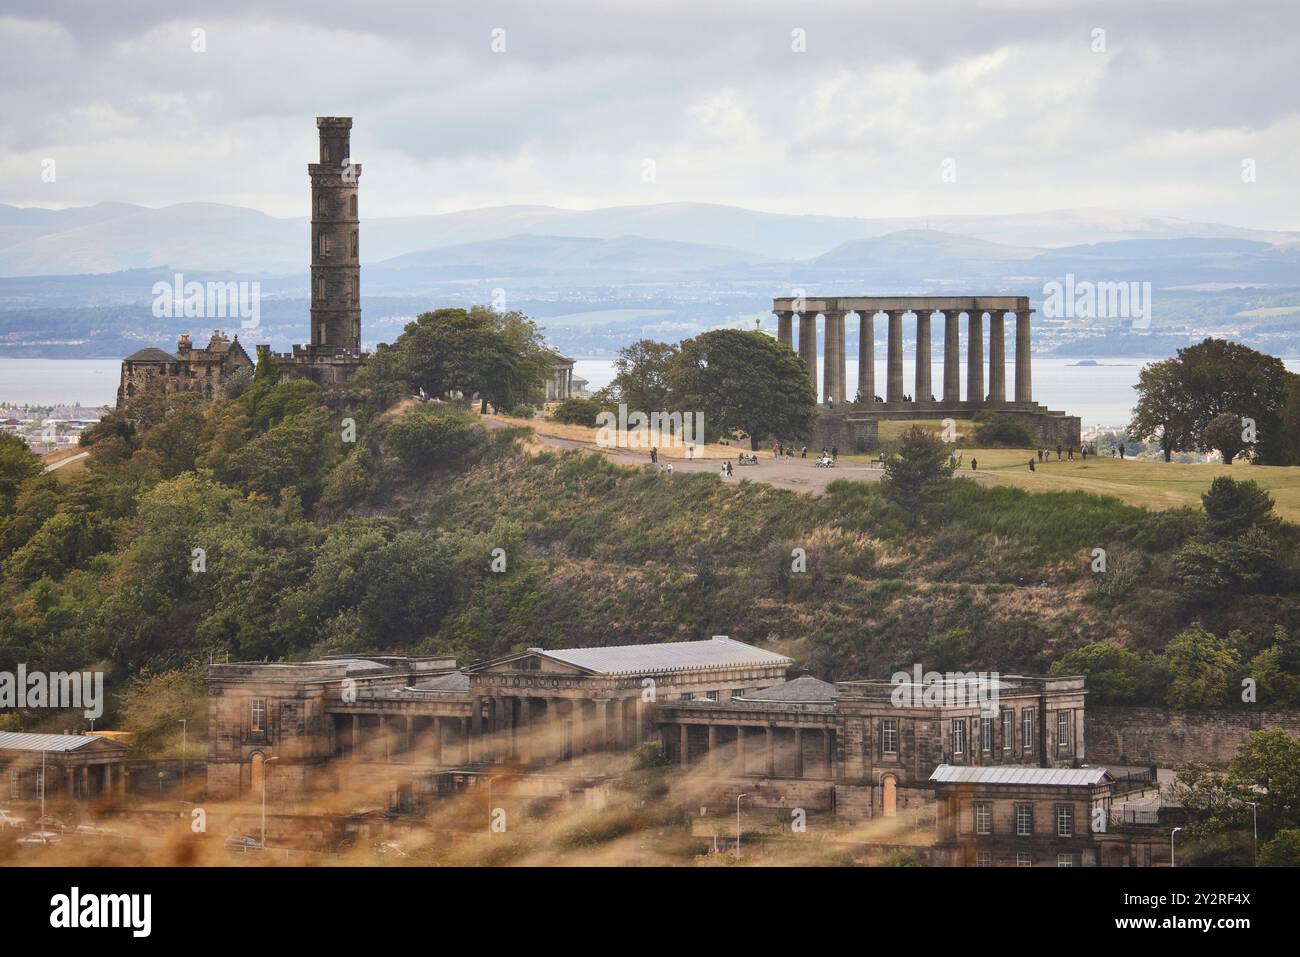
(850, 416)
(561, 383)
(860, 748)
(334, 352)
(75, 766)
(1040, 817)
(155, 372)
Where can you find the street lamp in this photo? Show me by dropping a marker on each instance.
(1254, 838)
(1171, 846)
(738, 797)
(264, 776)
(489, 797)
(184, 741)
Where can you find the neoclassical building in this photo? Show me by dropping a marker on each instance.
(850, 417)
(719, 707)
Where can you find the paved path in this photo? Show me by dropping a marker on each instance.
(801, 475)
(62, 462)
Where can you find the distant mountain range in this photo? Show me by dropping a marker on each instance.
(675, 239)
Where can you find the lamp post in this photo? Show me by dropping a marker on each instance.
(738, 797)
(42, 790)
(489, 797)
(1254, 836)
(264, 776)
(184, 741)
(1171, 846)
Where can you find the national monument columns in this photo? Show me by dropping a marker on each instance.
(834, 382)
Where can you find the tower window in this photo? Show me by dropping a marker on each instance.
(352, 205)
(324, 244)
(354, 244)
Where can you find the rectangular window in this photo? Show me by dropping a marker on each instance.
(1064, 820)
(1064, 860)
(1008, 730)
(983, 817)
(324, 245)
(958, 736)
(1063, 730)
(888, 735)
(984, 859)
(711, 695)
(1024, 820)
(688, 696)
(986, 733)
(1024, 859)
(354, 245)
(257, 714)
(15, 784)
(1027, 729)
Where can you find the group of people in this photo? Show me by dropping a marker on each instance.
(781, 450)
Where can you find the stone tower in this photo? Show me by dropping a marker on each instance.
(335, 253)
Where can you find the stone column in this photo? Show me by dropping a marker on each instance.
(771, 746)
(975, 356)
(526, 731)
(439, 738)
(602, 721)
(808, 345)
(1024, 376)
(406, 736)
(895, 377)
(713, 749)
(798, 752)
(866, 356)
(952, 356)
(997, 358)
(740, 749)
(833, 357)
(827, 753)
(579, 723)
(785, 329)
(923, 389)
(464, 740)
(685, 745)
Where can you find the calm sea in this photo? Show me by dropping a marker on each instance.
(1100, 395)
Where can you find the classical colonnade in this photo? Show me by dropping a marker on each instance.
(923, 307)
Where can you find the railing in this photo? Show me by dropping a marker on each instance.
(1139, 780)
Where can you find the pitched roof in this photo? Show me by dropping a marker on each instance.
(672, 656)
(804, 689)
(23, 741)
(951, 774)
(151, 354)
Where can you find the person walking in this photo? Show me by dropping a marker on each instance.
(835, 453)
(654, 454)
(1058, 453)
(974, 465)
(1031, 465)
(728, 469)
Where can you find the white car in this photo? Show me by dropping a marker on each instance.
(40, 839)
(10, 819)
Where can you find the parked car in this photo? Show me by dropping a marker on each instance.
(52, 824)
(10, 819)
(40, 839)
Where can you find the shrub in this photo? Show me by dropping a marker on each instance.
(429, 436)
(1004, 431)
(523, 411)
(578, 412)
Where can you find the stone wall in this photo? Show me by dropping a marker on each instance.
(1167, 737)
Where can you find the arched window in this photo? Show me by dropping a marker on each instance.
(352, 205)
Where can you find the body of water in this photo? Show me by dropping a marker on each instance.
(1100, 395)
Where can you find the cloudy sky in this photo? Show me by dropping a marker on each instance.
(859, 122)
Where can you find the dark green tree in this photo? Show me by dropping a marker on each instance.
(916, 469)
(1233, 507)
(743, 381)
(1224, 432)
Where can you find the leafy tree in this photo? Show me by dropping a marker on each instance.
(1233, 507)
(1211, 571)
(1290, 427)
(917, 468)
(1163, 408)
(426, 437)
(154, 704)
(1115, 675)
(578, 411)
(1208, 379)
(1224, 432)
(643, 371)
(745, 381)
(1283, 850)
(1203, 670)
(17, 464)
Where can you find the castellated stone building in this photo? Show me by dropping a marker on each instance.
(334, 352)
(155, 372)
